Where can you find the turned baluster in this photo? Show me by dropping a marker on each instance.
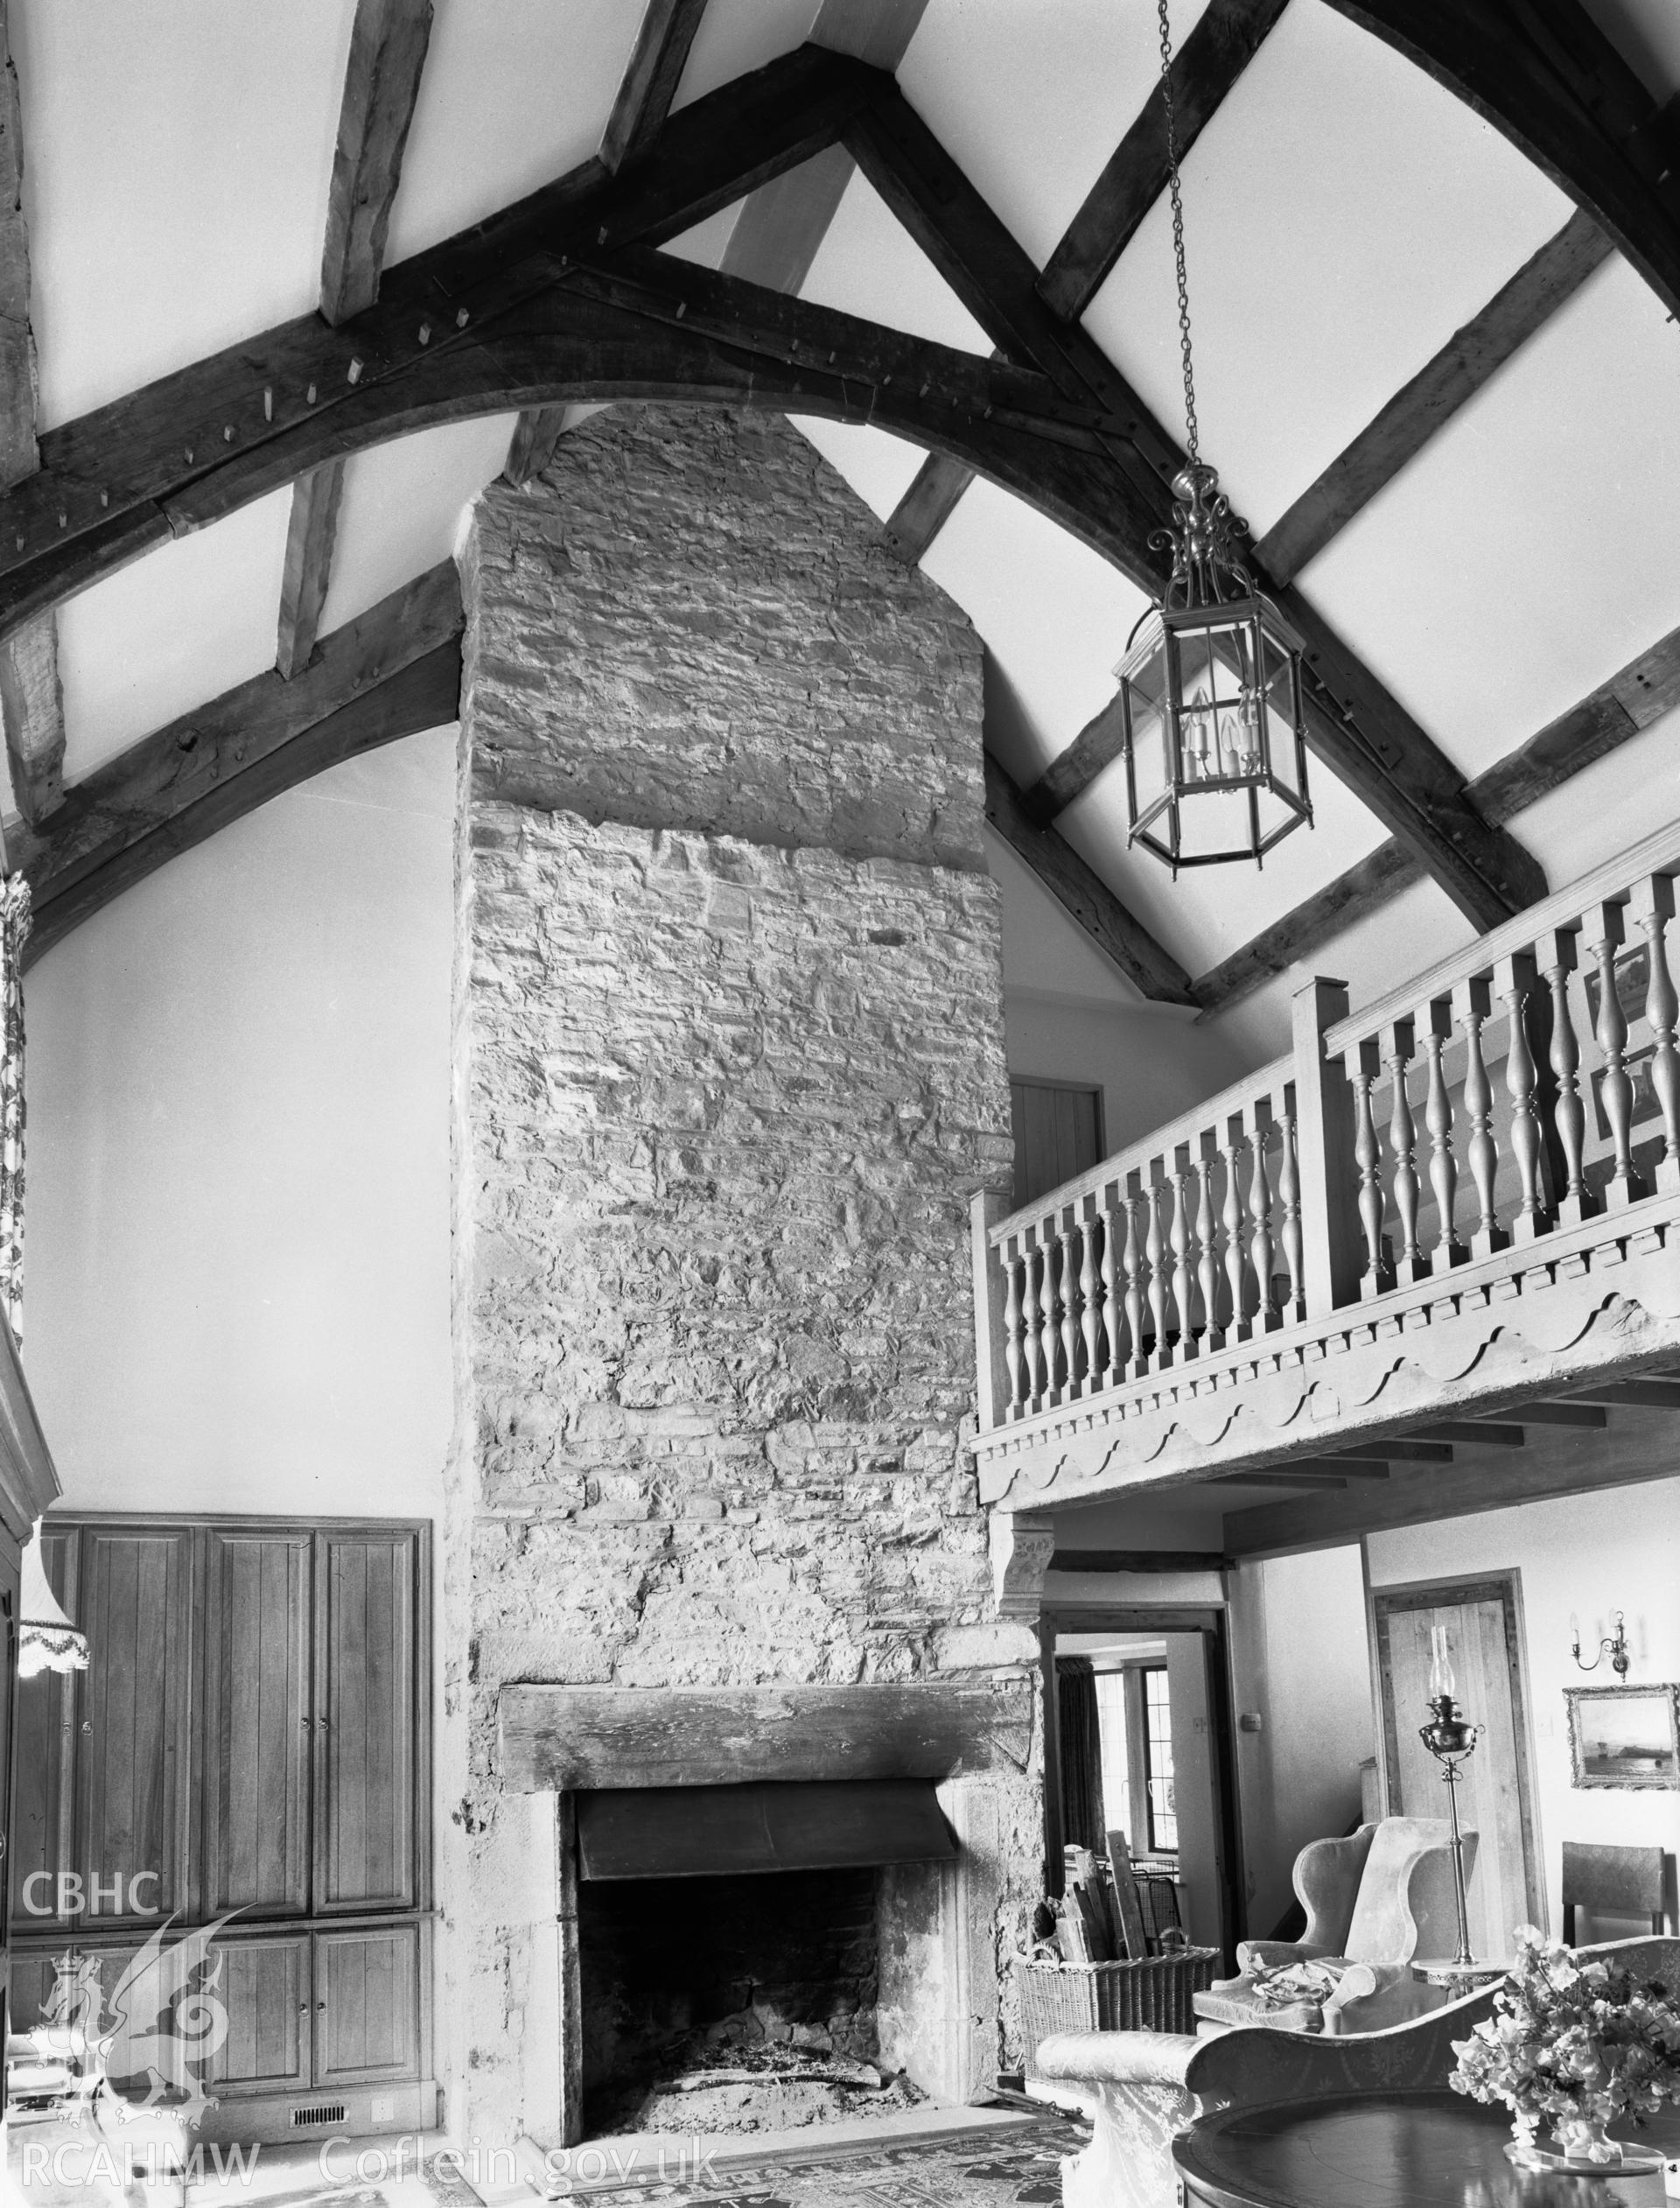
(1652, 905)
(1369, 1158)
(1068, 1271)
(1115, 1359)
(1437, 1117)
(1013, 1361)
(1031, 1341)
(1206, 1229)
(1184, 1255)
(1289, 1194)
(1473, 1003)
(1513, 979)
(1132, 1263)
(1403, 1141)
(1236, 1326)
(1568, 1112)
(1260, 1217)
(1155, 1252)
(1091, 1310)
(1615, 1089)
(1049, 1309)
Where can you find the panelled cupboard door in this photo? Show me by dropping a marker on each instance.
(133, 1744)
(257, 1722)
(367, 2005)
(44, 1786)
(265, 1988)
(30, 1988)
(364, 1719)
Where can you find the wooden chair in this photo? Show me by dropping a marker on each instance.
(1141, 2089)
(1613, 1882)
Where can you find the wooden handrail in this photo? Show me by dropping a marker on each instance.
(1658, 854)
(1461, 1113)
(1268, 1081)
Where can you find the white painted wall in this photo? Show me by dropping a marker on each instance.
(237, 1254)
(1193, 1785)
(1070, 1016)
(1591, 1554)
(1300, 1656)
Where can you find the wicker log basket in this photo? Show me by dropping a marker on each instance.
(1108, 1912)
(1151, 1995)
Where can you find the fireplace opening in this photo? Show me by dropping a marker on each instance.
(740, 2003)
(741, 1994)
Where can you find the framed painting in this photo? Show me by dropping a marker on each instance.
(1627, 1736)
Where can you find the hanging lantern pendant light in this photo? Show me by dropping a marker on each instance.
(1210, 688)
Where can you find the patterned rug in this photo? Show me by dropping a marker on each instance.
(990, 2168)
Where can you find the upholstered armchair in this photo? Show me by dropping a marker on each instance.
(1373, 1901)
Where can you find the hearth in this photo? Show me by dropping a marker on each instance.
(729, 1949)
(740, 2002)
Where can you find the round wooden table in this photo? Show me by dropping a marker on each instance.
(1400, 2150)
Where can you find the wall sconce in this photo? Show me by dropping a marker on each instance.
(1615, 1648)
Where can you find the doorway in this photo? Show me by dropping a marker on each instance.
(1139, 1740)
(1482, 1619)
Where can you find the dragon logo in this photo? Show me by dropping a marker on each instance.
(164, 2022)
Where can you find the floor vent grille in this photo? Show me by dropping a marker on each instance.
(328, 2112)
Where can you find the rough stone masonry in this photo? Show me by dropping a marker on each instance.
(730, 1063)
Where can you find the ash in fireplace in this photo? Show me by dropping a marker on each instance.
(753, 2071)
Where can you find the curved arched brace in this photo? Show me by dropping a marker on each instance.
(509, 318)
(1546, 77)
(579, 340)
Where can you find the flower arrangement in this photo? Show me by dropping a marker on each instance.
(1574, 2044)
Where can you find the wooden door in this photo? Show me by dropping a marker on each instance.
(367, 2005)
(1483, 1626)
(1058, 1131)
(266, 1988)
(36, 1974)
(134, 1779)
(29, 1986)
(257, 1722)
(365, 1718)
(43, 1794)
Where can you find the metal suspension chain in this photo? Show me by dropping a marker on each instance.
(1178, 232)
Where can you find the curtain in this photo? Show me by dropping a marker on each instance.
(1083, 1823)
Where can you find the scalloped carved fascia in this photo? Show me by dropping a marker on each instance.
(1550, 1325)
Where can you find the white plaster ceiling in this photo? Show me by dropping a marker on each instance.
(1344, 213)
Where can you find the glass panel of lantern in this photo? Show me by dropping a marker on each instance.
(1213, 694)
(1143, 720)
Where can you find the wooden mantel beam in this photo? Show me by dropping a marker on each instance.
(1357, 727)
(381, 82)
(390, 673)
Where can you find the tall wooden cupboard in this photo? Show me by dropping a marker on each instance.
(28, 1486)
(249, 1747)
